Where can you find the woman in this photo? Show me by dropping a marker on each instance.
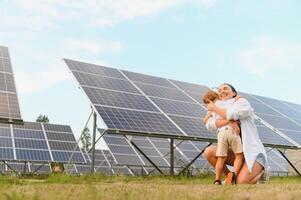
(253, 149)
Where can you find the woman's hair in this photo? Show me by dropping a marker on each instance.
(232, 88)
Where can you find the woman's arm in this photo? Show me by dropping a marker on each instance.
(240, 109)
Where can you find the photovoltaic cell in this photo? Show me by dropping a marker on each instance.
(191, 87)
(136, 121)
(198, 97)
(162, 92)
(93, 69)
(278, 114)
(33, 155)
(119, 99)
(180, 108)
(6, 145)
(193, 127)
(126, 157)
(268, 137)
(105, 82)
(147, 79)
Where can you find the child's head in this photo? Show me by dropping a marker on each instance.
(210, 96)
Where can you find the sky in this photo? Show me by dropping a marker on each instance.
(254, 45)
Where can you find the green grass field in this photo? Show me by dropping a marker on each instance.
(120, 187)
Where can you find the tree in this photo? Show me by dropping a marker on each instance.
(86, 139)
(42, 118)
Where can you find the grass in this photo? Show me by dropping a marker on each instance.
(122, 187)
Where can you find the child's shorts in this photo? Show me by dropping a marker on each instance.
(227, 139)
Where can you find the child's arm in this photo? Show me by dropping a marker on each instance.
(221, 122)
(208, 115)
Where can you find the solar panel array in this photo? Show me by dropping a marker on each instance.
(133, 102)
(157, 150)
(9, 104)
(38, 142)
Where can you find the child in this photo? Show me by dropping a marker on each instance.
(226, 138)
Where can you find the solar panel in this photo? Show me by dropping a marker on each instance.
(9, 104)
(191, 87)
(278, 165)
(63, 150)
(269, 138)
(123, 152)
(132, 120)
(147, 79)
(193, 127)
(119, 99)
(163, 92)
(151, 151)
(93, 69)
(31, 142)
(180, 108)
(278, 114)
(132, 102)
(6, 147)
(105, 82)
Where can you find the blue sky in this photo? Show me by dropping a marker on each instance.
(255, 45)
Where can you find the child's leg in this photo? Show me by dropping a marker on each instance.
(238, 161)
(219, 167)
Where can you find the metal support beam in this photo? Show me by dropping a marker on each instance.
(172, 158)
(93, 143)
(192, 161)
(289, 162)
(5, 163)
(24, 169)
(145, 156)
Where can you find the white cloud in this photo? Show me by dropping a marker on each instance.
(267, 54)
(91, 46)
(38, 81)
(99, 12)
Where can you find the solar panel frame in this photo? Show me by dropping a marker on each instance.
(9, 103)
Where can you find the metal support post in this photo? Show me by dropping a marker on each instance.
(172, 157)
(93, 143)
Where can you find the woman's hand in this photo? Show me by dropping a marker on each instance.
(235, 126)
(210, 106)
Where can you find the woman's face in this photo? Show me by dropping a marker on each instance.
(224, 92)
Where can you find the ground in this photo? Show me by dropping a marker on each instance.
(120, 187)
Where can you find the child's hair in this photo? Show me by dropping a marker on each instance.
(210, 96)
